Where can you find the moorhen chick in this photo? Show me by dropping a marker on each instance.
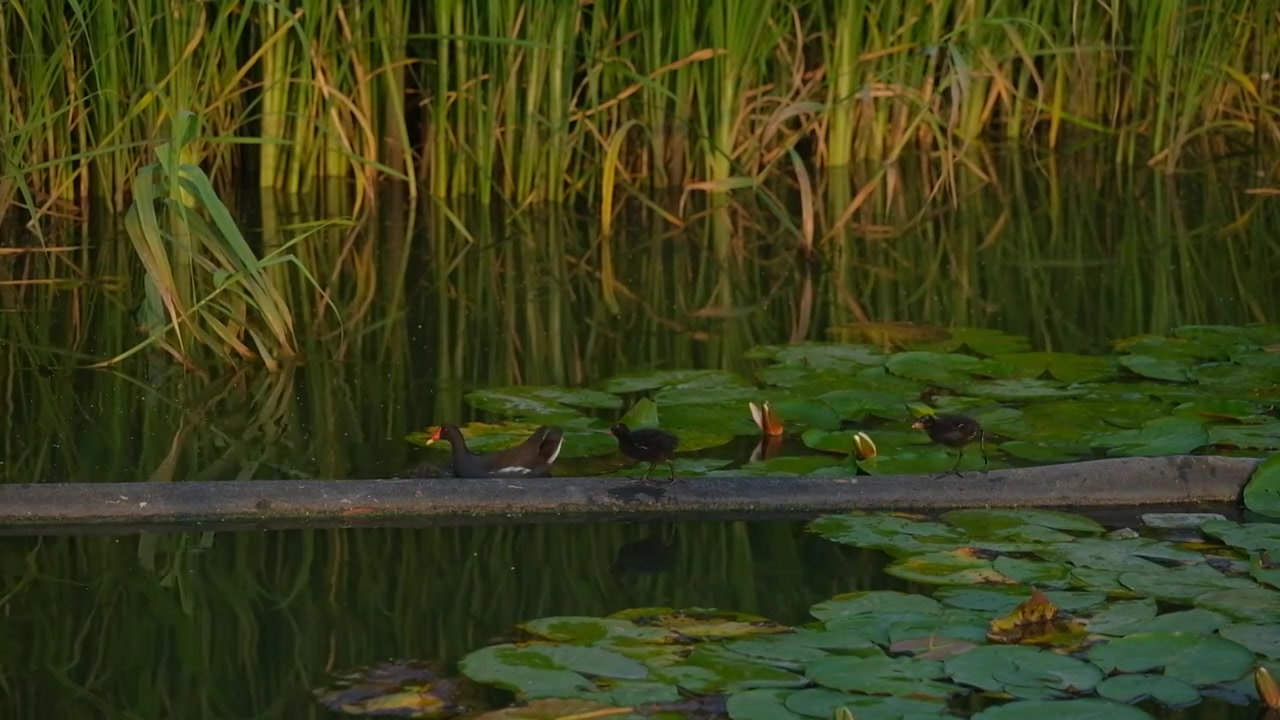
(531, 458)
(650, 445)
(955, 432)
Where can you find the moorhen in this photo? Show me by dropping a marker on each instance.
(648, 444)
(954, 431)
(531, 458)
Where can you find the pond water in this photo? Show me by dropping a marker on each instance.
(247, 624)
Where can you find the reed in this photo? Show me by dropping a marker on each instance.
(528, 102)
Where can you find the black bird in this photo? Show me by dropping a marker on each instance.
(954, 431)
(648, 444)
(531, 458)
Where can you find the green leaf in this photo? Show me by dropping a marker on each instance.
(1067, 367)
(1118, 554)
(1040, 573)
(1255, 604)
(943, 369)
(1010, 523)
(1191, 621)
(653, 379)
(823, 703)
(724, 420)
(1072, 420)
(945, 568)
(761, 704)
(1262, 492)
(1245, 536)
(1157, 368)
(1078, 709)
(985, 341)
(1197, 659)
(1181, 584)
(856, 405)
(710, 669)
(1220, 409)
(1264, 436)
(1044, 452)
(1020, 390)
(1119, 618)
(882, 675)
(873, 602)
(1261, 638)
(897, 536)
(1135, 688)
(821, 356)
(1001, 600)
(1024, 672)
(799, 415)
(547, 670)
(1163, 436)
(643, 414)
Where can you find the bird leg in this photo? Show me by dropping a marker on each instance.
(982, 445)
(671, 464)
(645, 476)
(955, 469)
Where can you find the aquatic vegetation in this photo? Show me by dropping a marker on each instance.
(1020, 609)
(1202, 389)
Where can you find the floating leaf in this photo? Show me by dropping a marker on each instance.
(1245, 536)
(1181, 584)
(547, 670)
(549, 709)
(1077, 709)
(1024, 672)
(1001, 600)
(801, 414)
(985, 341)
(1119, 618)
(1262, 492)
(761, 704)
(898, 536)
(1163, 436)
(1011, 523)
(872, 603)
(710, 669)
(1221, 409)
(1039, 573)
(1197, 659)
(820, 356)
(1020, 390)
(1072, 420)
(1118, 554)
(1263, 436)
(1135, 688)
(724, 420)
(1246, 605)
(702, 624)
(1036, 621)
(1191, 621)
(1066, 367)
(1044, 452)
(856, 405)
(824, 703)
(882, 675)
(643, 414)
(1157, 368)
(592, 630)
(954, 567)
(653, 379)
(943, 369)
(1261, 638)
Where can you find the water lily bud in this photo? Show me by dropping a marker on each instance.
(863, 447)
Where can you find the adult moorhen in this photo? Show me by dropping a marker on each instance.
(531, 458)
(648, 444)
(954, 431)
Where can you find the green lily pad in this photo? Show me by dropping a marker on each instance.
(1118, 554)
(1261, 638)
(643, 414)
(1067, 367)
(873, 602)
(943, 368)
(1023, 672)
(761, 704)
(1002, 600)
(481, 437)
(653, 379)
(720, 420)
(1073, 420)
(985, 341)
(1224, 336)
(819, 355)
(1221, 409)
(1194, 658)
(1119, 618)
(1245, 536)
(547, 670)
(945, 568)
(531, 403)
(1255, 604)
(897, 536)
(1190, 621)
(882, 675)
(1040, 573)
(1262, 492)
(1135, 688)
(1174, 348)
(711, 669)
(592, 630)
(1157, 368)
(703, 624)
(1263, 436)
(1181, 584)
(1044, 452)
(824, 702)
(803, 381)
(1077, 709)
(1265, 568)
(801, 414)
(790, 651)
(1004, 523)
(1159, 437)
(1020, 390)
(947, 623)
(856, 405)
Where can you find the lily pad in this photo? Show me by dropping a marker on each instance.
(1262, 638)
(946, 369)
(1020, 390)
(592, 630)
(1067, 367)
(1221, 409)
(1119, 554)
(856, 405)
(1255, 604)
(873, 602)
(898, 536)
(1181, 584)
(724, 420)
(643, 414)
(882, 675)
(824, 702)
(710, 669)
(800, 414)
(1119, 618)
(820, 355)
(1040, 573)
(547, 670)
(1077, 709)
(653, 379)
(761, 704)
(1073, 420)
(1245, 536)
(1196, 620)
(1157, 368)
(1263, 436)
(1044, 452)
(1262, 492)
(1197, 659)
(1002, 600)
(1163, 436)
(1023, 672)
(1161, 688)
(955, 567)
(1005, 523)
(986, 341)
